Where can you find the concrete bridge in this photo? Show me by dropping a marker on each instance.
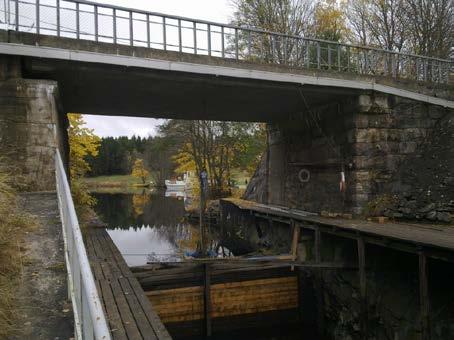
(332, 108)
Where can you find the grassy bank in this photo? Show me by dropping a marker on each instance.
(13, 224)
(116, 181)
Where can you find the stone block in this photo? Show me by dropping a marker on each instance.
(408, 147)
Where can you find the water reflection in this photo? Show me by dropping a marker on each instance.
(151, 227)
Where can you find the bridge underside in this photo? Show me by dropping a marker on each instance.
(100, 89)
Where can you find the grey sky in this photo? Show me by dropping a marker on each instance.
(213, 10)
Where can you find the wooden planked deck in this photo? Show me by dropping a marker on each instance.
(430, 235)
(129, 311)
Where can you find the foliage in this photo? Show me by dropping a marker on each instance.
(116, 155)
(13, 224)
(292, 17)
(139, 171)
(416, 26)
(218, 147)
(380, 204)
(330, 23)
(82, 144)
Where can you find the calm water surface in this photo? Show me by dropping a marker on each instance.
(150, 227)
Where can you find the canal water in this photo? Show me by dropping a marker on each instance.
(150, 226)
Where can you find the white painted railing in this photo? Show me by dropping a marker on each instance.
(90, 321)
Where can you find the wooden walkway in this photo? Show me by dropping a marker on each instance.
(437, 237)
(129, 311)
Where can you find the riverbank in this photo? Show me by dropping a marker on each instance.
(116, 181)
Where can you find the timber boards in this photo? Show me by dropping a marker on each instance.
(129, 312)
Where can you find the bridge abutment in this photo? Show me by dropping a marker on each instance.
(30, 127)
(394, 154)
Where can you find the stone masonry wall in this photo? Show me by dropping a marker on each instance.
(30, 129)
(395, 154)
(402, 150)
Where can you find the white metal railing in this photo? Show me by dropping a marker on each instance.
(90, 321)
(86, 20)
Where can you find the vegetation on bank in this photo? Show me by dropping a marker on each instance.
(13, 224)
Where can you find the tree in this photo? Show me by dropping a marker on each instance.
(383, 23)
(139, 171)
(431, 27)
(218, 147)
(82, 144)
(330, 22)
(290, 17)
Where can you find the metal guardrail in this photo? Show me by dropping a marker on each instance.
(90, 321)
(87, 20)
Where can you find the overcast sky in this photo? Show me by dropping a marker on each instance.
(213, 10)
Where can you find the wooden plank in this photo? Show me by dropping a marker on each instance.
(424, 301)
(429, 235)
(128, 320)
(363, 287)
(116, 325)
(158, 326)
(141, 319)
(207, 300)
(295, 239)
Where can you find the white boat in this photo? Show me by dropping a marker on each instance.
(177, 184)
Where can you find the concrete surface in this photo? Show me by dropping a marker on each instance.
(44, 311)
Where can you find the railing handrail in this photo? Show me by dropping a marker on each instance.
(253, 29)
(81, 283)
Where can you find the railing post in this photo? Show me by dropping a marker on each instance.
(77, 21)
(209, 39)
(318, 55)
(222, 42)
(16, 14)
(95, 13)
(249, 43)
(297, 52)
(329, 57)
(180, 41)
(425, 70)
(236, 44)
(37, 16)
(308, 55)
(285, 51)
(114, 23)
(195, 36)
(148, 31)
(164, 35)
(348, 58)
(58, 18)
(338, 57)
(131, 30)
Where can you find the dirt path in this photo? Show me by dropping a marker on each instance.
(44, 311)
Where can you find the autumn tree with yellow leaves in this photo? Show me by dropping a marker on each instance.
(82, 143)
(139, 171)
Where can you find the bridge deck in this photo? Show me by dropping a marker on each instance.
(437, 237)
(129, 311)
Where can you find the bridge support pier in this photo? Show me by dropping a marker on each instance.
(379, 144)
(31, 127)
